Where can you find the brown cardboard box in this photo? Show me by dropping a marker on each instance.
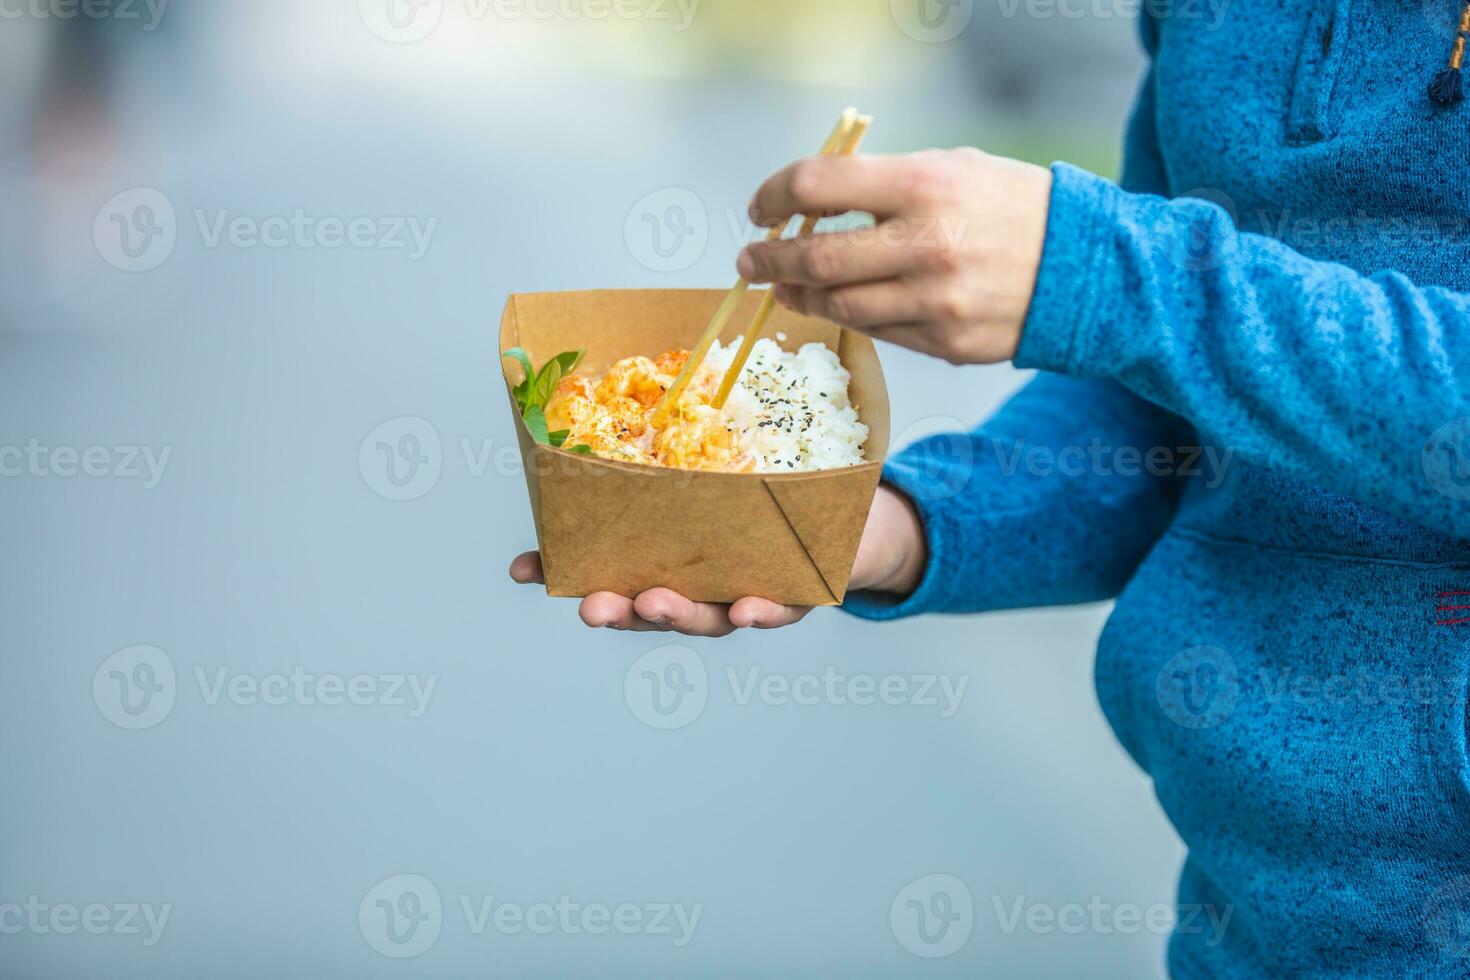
(713, 537)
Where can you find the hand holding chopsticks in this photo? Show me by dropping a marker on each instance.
(950, 267)
(849, 144)
(844, 139)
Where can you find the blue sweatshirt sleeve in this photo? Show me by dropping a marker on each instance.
(1047, 503)
(1030, 509)
(1357, 384)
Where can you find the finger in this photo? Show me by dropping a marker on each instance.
(835, 258)
(526, 568)
(670, 610)
(612, 611)
(913, 336)
(763, 614)
(881, 185)
(789, 296)
(869, 304)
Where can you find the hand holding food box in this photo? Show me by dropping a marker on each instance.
(718, 465)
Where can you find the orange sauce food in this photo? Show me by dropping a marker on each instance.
(611, 416)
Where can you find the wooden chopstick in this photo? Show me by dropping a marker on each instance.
(768, 304)
(835, 141)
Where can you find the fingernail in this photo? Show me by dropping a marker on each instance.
(745, 265)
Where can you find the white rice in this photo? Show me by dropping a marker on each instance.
(791, 411)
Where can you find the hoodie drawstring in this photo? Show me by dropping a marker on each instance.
(1446, 88)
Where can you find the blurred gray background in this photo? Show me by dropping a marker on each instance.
(214, 309)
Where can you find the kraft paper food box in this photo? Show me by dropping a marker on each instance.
(713, 537)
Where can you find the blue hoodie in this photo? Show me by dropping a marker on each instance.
(1252, 429)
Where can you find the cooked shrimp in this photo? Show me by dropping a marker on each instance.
(612, 416)
(699, 440)
(632, 377)
(671, 362)
(573, 402)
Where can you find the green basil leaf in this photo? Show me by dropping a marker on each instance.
(569, 360)
(581, 449)
(552, 372)
(546, 382)
(558, 437)
(519, 353)
(522, 390)
(536, 424)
